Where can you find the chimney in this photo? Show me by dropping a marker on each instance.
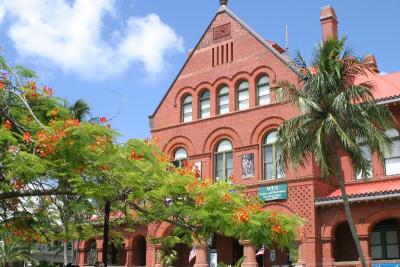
(329, 23)
(371, 61)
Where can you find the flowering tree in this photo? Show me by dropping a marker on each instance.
(49, 157)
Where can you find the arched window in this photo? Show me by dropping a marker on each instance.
(385, 241)
(223, 100)
(92, 253)
(205, 108)
(223, 160)
(366, 151)
(272, 152)
(187, 109)
(263, 97)
(243, 96)
(180, 157)
(392, 160)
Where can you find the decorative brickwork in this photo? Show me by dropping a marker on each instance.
(222, 31)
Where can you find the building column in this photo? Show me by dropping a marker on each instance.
(201, 254)
(300, 260)
(82, 253)
(249, 252)
(99, 245)
(152, 251)
(327, 252)
(129, 256)
(364, 241)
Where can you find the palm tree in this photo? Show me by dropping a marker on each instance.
(335, 114)
(80, 109)
(11, 252)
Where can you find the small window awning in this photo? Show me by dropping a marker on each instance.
(365, 191)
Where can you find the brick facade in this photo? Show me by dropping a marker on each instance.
(230, 52)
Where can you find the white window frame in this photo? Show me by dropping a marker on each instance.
(260, 85)
(270, 143)
(187, 116)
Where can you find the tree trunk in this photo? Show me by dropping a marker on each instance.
(346, 204)
(106, 229)
(65, 244)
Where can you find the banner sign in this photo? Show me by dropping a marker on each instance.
(273, 192)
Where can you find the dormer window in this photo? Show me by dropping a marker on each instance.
(187, 109)
(223, 100)
(205, 108)
(243, 96)
(263, 96)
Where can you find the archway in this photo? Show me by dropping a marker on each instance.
(91, 252)
(226, 250)
(116, 252)
(384, 242)
(344, 248)
(140, 257)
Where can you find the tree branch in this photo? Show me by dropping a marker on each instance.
(36, 193)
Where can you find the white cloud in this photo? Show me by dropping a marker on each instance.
(71, 36)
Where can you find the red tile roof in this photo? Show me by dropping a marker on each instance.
(386, 86)
(365, 189)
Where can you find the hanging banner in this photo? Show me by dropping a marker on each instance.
(273, 192)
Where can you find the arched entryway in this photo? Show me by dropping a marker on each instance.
(116, 252)
(140, 251)
(384, 242)
(344, 248)
(226, 250)
(274, 256)
(91, 252)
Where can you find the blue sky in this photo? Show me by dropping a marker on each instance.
(122, 55)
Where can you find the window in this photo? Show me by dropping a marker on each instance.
(243, 96)
(384, 241)
(223, 161)
(271, 154)
(263, 97)
(187, 109)
(92, 253)
(392, 160)
(205, 109)
(366, 151)
(223, 100)
(180, 157)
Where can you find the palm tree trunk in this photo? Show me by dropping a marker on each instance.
(346, 204)
(65, 245)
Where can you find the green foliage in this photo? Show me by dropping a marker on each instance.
(12, 251)
(238, 264)
(334, 110)
(60, 169)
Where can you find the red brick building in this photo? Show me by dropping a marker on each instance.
(221, 112)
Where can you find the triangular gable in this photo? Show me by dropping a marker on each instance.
(203, 43)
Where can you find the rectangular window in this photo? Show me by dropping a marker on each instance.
(224, 104)
(205, 109)
(229, 164)
(268, 163)
(263, 95)
(392, 161)
(219, 167)
(243, 100)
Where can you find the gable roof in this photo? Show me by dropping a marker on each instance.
(267, 44)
